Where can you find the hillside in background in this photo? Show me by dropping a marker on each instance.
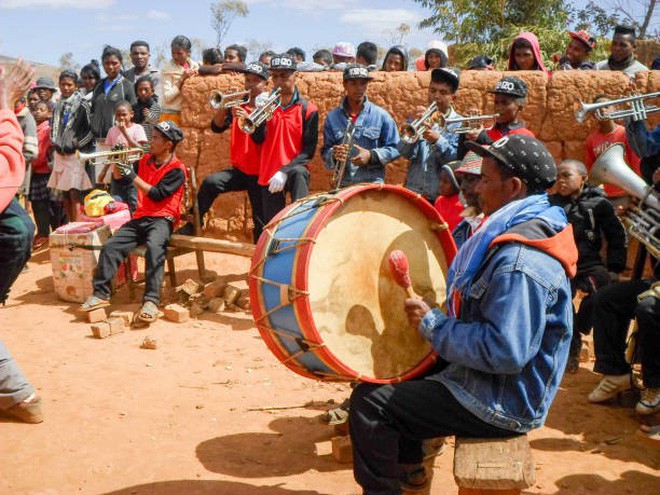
(42, 69)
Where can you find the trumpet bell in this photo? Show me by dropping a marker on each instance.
(611, 167)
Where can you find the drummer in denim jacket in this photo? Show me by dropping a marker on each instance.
(375, 137)
(505, 339)
(437, 146)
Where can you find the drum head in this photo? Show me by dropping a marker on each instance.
(356, 305)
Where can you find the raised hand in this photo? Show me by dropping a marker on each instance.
(15, 84)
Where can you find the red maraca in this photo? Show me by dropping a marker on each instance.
(400, 269)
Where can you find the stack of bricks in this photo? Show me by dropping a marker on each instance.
(215, 297)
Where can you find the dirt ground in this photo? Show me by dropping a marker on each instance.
(177, 420)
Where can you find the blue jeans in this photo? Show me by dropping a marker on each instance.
(16, 235)
(127, 191)
(14, 387)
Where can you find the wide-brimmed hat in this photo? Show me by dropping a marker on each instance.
(45, 83)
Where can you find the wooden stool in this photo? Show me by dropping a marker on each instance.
(502, 466)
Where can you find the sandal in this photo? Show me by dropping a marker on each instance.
(148, 313)
(93, 303)
(338, 415)
(415, 479)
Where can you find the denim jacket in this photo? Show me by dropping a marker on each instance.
(426, 159)
(375, 130)
(508, 350)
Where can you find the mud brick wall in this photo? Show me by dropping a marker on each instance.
(550, 114)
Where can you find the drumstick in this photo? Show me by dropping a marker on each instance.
(400, 269)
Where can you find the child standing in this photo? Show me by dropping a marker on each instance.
(70, 132)
(525, 53)
(175, 73)
(44, 215)
(449, 203)
(593, 218)
(130, 135)
(147, 109)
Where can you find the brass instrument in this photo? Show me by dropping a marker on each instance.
(637, 110)
(411, 132)
(222, 100)
(260, 114)
(123, 156)
(472, 122)
(643, 221)
(339, 169)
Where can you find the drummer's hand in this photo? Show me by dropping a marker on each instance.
(416, 309)
(363, 156)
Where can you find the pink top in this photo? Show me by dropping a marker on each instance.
(536, 48)
(135, 131)
(12, 162)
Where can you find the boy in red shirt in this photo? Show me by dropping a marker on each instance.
(46, 214)
(602, 138)
(449, 203)
(289, 141)
(245, 154)
(160, 180)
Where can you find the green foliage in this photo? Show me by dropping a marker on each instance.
(551, 41)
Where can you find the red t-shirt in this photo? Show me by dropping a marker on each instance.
(284, 139)
(40, 163)
(494, 133)
(597, 142)
(450, 207)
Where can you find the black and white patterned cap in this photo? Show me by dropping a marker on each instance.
(256, 68)
(170, 130)
(512, 86)
(283, 61)
(525, 156)
(356, 71)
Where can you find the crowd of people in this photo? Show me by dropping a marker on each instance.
(530, 234)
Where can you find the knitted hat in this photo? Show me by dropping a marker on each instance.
(471, 164)
(450, 168)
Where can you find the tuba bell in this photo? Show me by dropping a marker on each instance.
(642, 222)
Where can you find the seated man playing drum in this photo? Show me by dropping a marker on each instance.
(505, 339)
(160, 182)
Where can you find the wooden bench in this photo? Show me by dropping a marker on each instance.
(502, 466)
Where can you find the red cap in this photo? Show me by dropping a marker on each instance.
(584, 37)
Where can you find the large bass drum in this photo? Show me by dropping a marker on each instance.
(321, 292)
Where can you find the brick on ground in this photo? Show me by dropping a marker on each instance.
(342, 450)
(231, 294)
(214, 289)
(127, 316)
(96, 315)
(176, 313)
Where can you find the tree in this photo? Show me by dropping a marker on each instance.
(224, 14)
(396, 36)
(67, 62)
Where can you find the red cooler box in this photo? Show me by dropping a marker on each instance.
(74, 253)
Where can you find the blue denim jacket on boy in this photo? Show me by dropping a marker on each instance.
(508, 350)
(375, 130)
(426, 159)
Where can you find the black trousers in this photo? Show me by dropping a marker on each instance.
(155, 233)
(227, 180)
(16, 235)
(48, 215)
(389, 422)
(297, 185)
(588, 280)
(614, 307)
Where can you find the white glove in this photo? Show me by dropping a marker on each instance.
(276, 182)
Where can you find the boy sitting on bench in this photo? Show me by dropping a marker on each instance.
(160, 182)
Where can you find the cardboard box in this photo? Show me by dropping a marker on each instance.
(74, 256)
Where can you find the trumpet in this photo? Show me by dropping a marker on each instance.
(124, 156)
(470, 123)
(260, 114)
(637, 110)
(222, 100)
(411, 132)
(339, 169)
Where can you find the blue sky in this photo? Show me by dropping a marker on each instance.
(42, 30)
